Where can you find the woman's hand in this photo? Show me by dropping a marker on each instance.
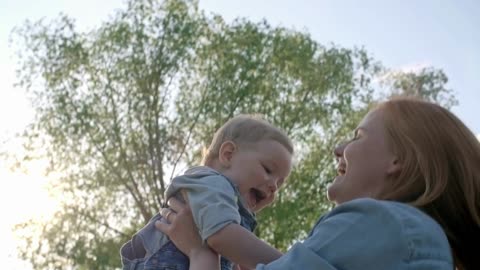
(183, 232)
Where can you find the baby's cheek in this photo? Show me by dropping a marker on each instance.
(273, 197)
(268, 201)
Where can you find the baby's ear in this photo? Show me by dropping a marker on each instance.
(227, 149)
(395, 167)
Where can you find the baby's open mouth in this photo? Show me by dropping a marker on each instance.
(257, 196)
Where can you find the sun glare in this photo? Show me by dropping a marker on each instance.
(24, 196)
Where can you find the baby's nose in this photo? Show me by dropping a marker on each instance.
(273, 186)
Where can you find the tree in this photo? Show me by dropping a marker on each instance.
(103, 105)
(427, 83)
(120, 108)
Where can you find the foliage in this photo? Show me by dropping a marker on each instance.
(102, 101)
(426, 83)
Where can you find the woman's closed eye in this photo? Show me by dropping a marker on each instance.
(267, 170)
(355, 136)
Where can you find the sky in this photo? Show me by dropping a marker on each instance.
(403, 35)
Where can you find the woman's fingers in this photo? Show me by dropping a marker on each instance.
(179, 226)
(177, 205)
(163, 227)
(167, 214)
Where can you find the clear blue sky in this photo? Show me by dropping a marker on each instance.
(401, 34)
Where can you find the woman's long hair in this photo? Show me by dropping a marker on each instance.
(440, 159)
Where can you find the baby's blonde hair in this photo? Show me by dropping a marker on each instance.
(245, 128)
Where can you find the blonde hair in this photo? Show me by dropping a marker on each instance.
(440, 173)
(245, 128)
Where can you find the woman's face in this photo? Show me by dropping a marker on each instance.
(364, 162)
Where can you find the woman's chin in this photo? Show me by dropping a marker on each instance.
(333, 190)
(330, 194)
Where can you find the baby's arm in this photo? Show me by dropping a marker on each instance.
(241, 246)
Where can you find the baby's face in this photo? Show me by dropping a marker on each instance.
(259, 170)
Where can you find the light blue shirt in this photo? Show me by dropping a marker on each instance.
(215, 203)
(367, 234)
(212, 198)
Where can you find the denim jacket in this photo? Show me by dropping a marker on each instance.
(370, 234)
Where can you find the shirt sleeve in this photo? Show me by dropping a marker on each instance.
(356, 235)
(212, 199)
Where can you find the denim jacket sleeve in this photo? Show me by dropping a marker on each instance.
(370, 234)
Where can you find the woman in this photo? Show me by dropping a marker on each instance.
(407, 196)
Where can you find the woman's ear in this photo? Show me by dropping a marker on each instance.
(395, 167)
(225, 155)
